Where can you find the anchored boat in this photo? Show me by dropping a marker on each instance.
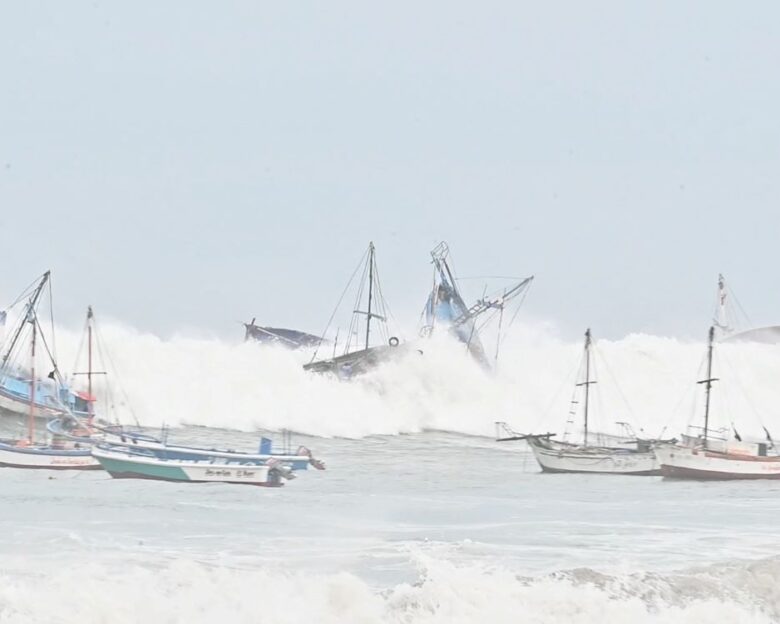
(712, 457)
(622, 456)
(130, 463)
(27, 451)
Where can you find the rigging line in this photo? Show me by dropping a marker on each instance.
(573, 372)
(338, 304)
(517, 310)
(354, 323)
(484, 277)
(739, 305)
(383, 304)
(613, 379)
(26, 290)
(99, 340)
(42, 336)
(51, 314)
(734, 372)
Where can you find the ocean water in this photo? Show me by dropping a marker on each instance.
(420, 516)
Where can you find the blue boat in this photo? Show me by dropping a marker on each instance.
(117, 438)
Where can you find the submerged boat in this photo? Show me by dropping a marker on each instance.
(709, 457)
(26, 451)
(445, 306)
(360, 353)
(622, 456)
(139, 463)
(290, 338)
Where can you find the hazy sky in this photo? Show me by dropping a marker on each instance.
(192, 164)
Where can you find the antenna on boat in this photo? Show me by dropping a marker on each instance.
(587, 381)
(708, 381)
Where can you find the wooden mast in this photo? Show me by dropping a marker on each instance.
(708, 382)
(370, 290)
(587, 381)
(90, 407)
(31, 421)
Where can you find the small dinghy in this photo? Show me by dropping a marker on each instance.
(129, 463)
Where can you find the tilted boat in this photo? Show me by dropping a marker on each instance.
(27, 451)
(622, 456)
(130, 463)
(445, 306)
(360, 354)
(708, 457)
(290, 338)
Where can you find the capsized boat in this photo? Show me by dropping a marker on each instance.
(140, 463)
(361, 354)
(709, 457)
(629, 455)
(445, 306)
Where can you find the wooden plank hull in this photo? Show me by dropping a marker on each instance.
(571, 459)
(697, 464)
(46, 458)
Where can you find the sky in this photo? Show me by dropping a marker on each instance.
(184, 166)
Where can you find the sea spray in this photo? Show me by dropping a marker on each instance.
(646, 381)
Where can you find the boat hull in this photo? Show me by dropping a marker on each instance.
(697, 464)
(46, 458)
(557, 460)
(127, 466)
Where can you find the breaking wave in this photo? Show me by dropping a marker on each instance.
(190, 591)
(647, 381)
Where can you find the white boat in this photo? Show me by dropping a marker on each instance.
(125, 463)
(622, 456)
(637, 459)
(706, 457)
(13, 455)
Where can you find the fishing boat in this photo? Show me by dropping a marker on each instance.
(27, 451)
(732, 324)
(629, 455)
(300, 459)
(360, 353)
(84, 429)
(716, 457)
(129, 463)
(289, 338)
(446, 307)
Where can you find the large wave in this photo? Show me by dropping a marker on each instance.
(192, 591)
(647, 381)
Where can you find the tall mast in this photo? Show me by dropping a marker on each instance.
(587, 381)
(370, 289)
(708, 382)
(90, 408)
(31, 423)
